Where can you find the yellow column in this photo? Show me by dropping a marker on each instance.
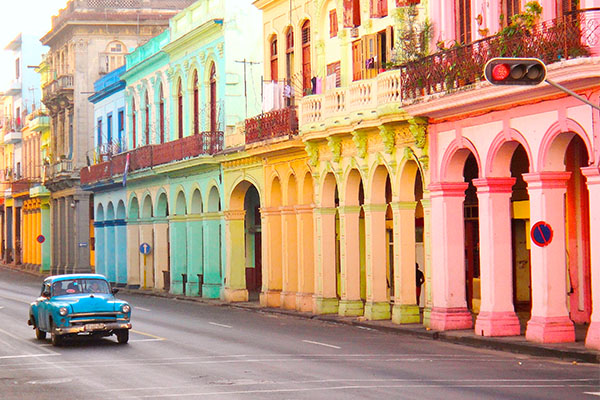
(38, 232)
(235, 270)
(270, 295)
(377, 305)
(289, 257)
(25, 235)
(306, 258)
(326, 301)
(350, 302)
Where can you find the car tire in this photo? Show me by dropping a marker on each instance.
(56, 339)
(122, 336)
(39, 334)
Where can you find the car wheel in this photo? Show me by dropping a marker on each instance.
(55, 338)
(39, 335)
(122, 336)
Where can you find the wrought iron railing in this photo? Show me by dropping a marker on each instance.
(551, 41)
(278, 123)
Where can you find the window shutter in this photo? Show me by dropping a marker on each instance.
(348, 13)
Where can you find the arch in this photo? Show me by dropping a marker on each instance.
(180, 203)
(110, 211)
(273, 56)
(308, 188)
(236, 198)
(212, 99)
(115, 55)
(379, 177)
(162, 205)
(134, 208)
(328, 190)
(353, 183)
(99, 213)
(196, 204)
(407, 177)
(454, 159)
(292, 190)
(147, 211)
(501, 152)
(214, 200)
(121, 210)
(555, 143)
(275, 198)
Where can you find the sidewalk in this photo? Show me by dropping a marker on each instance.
(515, 344)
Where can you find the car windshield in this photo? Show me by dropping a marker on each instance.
(77, 286)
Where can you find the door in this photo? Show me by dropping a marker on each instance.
(356, 60)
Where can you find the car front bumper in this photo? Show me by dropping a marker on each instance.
(99, 327)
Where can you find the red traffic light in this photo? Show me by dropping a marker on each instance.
(515, 71)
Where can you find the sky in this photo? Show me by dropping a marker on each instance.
(23, 16)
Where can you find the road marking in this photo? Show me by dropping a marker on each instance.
(141, 308)
(322, 344)
(30, 355)
(221, 325)
(147, 334)
(592, 393)
(15, 299)
(1, 307)
(147, 340)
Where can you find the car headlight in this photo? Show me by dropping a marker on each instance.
(125, 308)
(63, 311)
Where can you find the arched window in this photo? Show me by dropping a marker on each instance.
(147, 119)
(179, 109)
(113, 57)
(274, 58)
(161, 112)
(196, 118)
(289, 53)
(133, 123)
(306, 82)
(213, 99)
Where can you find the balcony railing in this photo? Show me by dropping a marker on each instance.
(205, 143)
(278, 123)
(61, 84)
(574, 35)
(20, 186)
(60, 167)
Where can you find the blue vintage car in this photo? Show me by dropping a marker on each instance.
(79, 304)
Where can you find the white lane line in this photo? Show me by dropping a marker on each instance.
(1, 307)
(141, 308)
(322, 344)
(147, 340)
(15, 299)
(592, 393)
(221, 325)
(30, 355)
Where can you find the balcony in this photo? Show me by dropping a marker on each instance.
(61, 167)
(11, 126)
(572, 36)
(20, 186)
(58, 93)
(205, 143)
(274, 124)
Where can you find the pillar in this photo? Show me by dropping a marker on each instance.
(377, 305)
(270, 295)
(235, 271)
(306, 257)
(133, 251)
(497, 315)
(289, 259)
(449, 308)
(325, 298)
(99, 233)
(212, 264)
(405, 310)
(160, 251)
(194, 259)
(178, 240)
(426, 203)
(592, 174)
(550, 322)
(46, 247)
(350, 303)
(121, 252)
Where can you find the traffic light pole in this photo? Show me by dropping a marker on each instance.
(572, 93)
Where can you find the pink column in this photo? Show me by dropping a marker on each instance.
(289, 257)
(549, 321)
(270, 295)
(592, 175)
(448, 257)
(497, 315)
(377, 305)
(306, 257)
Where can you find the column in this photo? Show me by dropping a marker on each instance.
(325, 300)
(79, 242)
(100, 253)
(160, 252)
(121, 252)
(306, 257)
(350, 303)
(146, 262)
(497, 315)
(213, 243)
(110, 248)
(235, 270)
(426, 203)
(270, 295)
(289, 259)
(194, 259)
(592, 174)
(550, 322)
(377, 305)
(46, 247)
(449, 307)
(405, 310)
(133, 251)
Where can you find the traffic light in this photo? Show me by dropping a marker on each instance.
(515, 71)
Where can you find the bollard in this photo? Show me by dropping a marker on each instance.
(200, 283)
(184, 279)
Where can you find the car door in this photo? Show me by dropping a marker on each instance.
(42, 309)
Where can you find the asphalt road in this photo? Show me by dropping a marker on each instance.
(186, 350)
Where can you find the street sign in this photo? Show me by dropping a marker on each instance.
(41, 239)
(541, 234)
(145, 248)
(515, 71)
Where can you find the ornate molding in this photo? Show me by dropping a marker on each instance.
(418, 128)
(201, 56)
(220, 48)
(360, 139)
(388, 137)
(335, 145)
(312, 149)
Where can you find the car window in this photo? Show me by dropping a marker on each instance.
(94, 286)
(43, 287)
(77, 286)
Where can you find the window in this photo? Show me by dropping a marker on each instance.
(109, 129)
(120, 128)
(509, 9)
(333, 23)
(179, 110)
(113, 57)
(334, 69)
(289, 53)
(133, 124)
(565, 6)
(161, 113)
(351, 13)
(306, 72)
(147, 119)
(196, 118)
(463, 21)
(18, 68)
(213, 99)
(379, 8)
(99, 128)
(273, 46)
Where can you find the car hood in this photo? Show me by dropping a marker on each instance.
(86, 303)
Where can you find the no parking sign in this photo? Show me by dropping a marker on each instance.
(542, 233)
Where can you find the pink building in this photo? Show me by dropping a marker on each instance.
(505, 158)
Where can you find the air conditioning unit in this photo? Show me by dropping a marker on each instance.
(354, 32)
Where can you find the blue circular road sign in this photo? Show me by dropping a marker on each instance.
(145, 248)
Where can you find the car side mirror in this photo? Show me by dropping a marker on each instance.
(115, 290)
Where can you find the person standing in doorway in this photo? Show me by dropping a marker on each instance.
(420, 280)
